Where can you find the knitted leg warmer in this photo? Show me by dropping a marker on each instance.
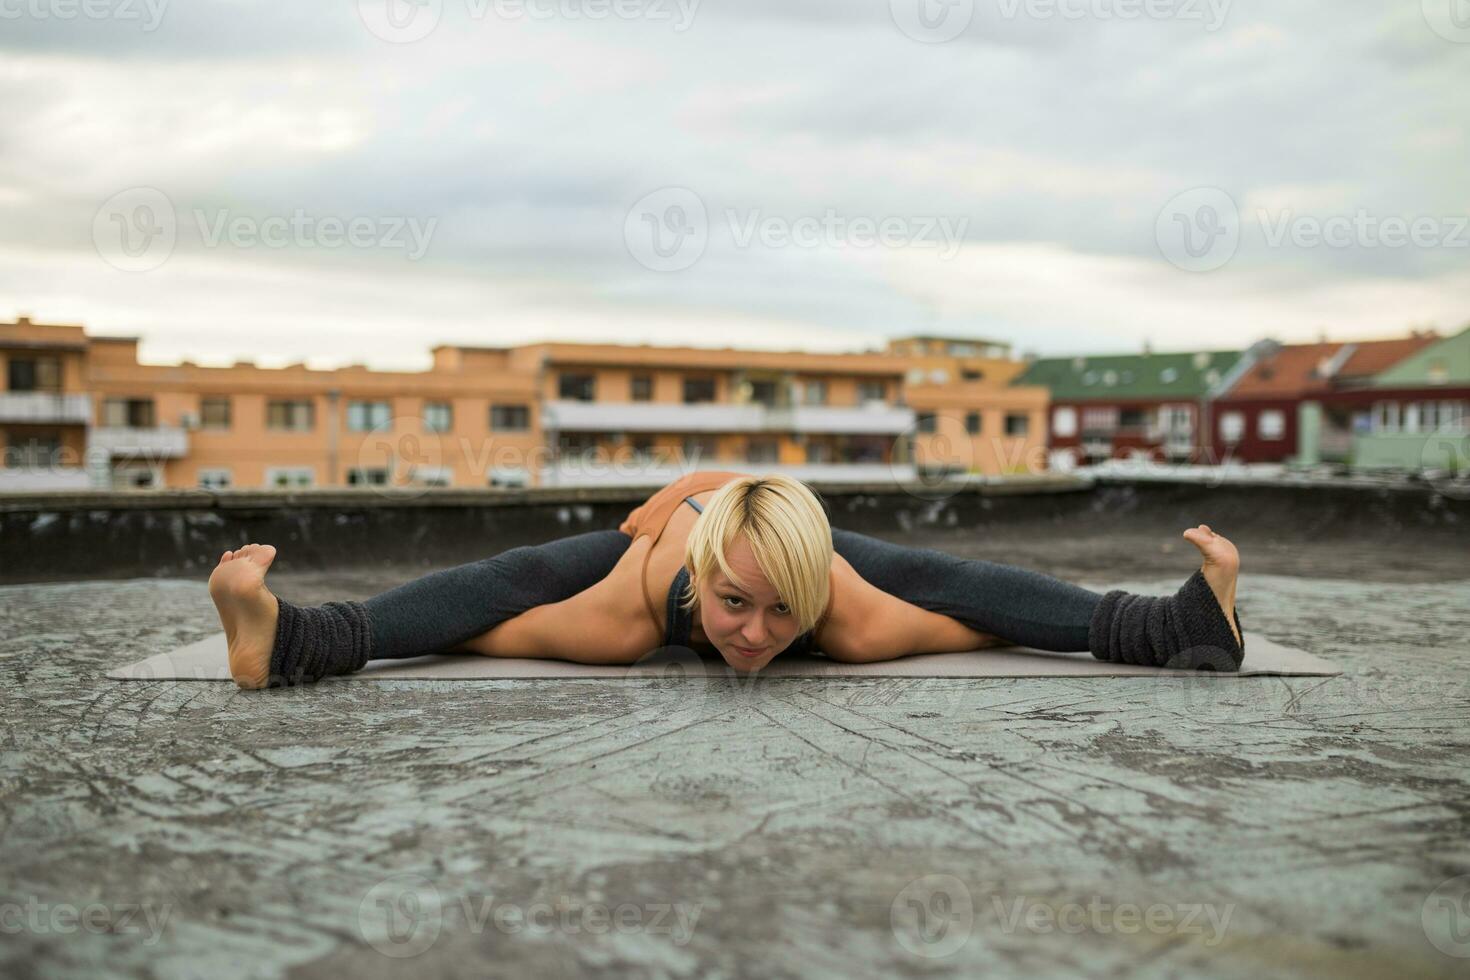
(1184, 631)
(317, 641)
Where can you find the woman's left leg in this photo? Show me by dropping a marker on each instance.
(1187, 630)
(1024, 607)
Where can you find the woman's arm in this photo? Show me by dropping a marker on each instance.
(867, 625)
(603, 624)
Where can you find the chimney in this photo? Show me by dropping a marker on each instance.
(1147, 347)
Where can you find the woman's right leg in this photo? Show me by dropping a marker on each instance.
(435, 612)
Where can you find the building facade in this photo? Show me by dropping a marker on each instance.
(1152, 406)
(82, 412)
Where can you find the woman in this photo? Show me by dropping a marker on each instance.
(747, 567)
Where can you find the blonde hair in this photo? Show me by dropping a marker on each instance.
(787, 529)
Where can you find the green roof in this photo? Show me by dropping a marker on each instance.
(1188, 374)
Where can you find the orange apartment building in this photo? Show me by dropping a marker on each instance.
(81, 412)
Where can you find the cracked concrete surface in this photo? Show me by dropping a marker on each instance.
(793, 827)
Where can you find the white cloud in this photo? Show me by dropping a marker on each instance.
(526, 141)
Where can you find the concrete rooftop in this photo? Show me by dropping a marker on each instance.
(894, 827)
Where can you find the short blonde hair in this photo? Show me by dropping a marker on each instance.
(786, 527)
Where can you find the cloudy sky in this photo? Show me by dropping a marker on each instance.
(357, 180)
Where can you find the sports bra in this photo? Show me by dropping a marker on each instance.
(652, 517)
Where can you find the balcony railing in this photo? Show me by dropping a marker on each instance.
(155, 443)
(18, 479)
(600, 472)
(45, 407)
(873, 417)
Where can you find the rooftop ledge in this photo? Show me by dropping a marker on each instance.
(384, 497)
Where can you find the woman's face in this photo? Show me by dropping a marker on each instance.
(748, 627)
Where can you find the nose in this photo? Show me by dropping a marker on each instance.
(754, 638)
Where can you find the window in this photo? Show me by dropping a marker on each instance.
(363, 476)
(1169, 375)
(289, 476)
(576, 443)
(642, 388)
(35, 374)
(819, 452)
(1176, 418)
(33, 450)
(699, 447)
(1434, 416)
(438, 417)
(924, 422)
(1064, 422)
(1099, 419)
(128, 413)
(642, 446)
(290, 416)
(763, 393)
(1017, 423)
(510, 418)
(1132, 418)
(576, 387)
(1090, 378)
(1385, 416)
(368, 416)
(214, 413)
(1271, 424)
(214, 479)
(972, 423)
(1438, 373)
(970, 374)
(814, 393)
(872, 391)
(699, 390)
(1232, 426)
(762, 451)
(509, 476)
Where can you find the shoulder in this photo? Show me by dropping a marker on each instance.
(854, 601)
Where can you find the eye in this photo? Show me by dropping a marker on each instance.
(783, 609)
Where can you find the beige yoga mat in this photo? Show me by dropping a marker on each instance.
(206, 661)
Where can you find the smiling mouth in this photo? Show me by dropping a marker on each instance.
(748, 653)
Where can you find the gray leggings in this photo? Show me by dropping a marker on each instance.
(443, 609)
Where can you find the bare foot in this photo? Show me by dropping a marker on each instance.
(248, 611)
(1221, 568)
